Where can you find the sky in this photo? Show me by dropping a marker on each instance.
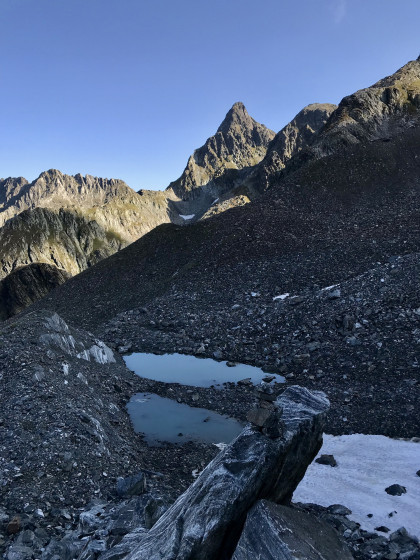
(129, 88)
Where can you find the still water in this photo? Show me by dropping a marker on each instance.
(161, 419)
(189, 370)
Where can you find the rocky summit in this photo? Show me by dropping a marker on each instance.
(239, 143)
(296, 252)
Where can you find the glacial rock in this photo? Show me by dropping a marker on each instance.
(205, 522)
(59, 336)
(275, 532)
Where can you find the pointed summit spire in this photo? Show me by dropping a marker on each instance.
(237, 115)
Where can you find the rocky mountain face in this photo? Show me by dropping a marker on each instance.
(379, 112)
(239, 143)
(69, 223)
(110, 202)
(294, 137)
(61, 238)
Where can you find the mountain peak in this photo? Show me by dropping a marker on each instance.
(237, 115)
(50, 174)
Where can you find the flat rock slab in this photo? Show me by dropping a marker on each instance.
(274, 532)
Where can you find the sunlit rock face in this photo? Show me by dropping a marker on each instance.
(239, 142)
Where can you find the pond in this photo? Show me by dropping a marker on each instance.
(190, 370)
(164, 420)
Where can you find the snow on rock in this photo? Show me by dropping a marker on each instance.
(281, 297)
(187, 217)
(327, 288)
(366, 465)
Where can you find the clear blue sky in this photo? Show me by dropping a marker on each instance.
(128, 88)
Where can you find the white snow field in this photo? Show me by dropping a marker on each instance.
(366, 465)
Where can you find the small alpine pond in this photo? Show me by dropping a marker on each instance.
(190, 370)
(164, 420)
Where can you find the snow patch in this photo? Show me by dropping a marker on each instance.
(366, 465)
(187, 217)
(329, 287)
(281, 297)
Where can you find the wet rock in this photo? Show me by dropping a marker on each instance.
(396, 490)
(274, 532)
(326, 460)
(207, 517)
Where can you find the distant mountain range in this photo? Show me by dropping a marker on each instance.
(71, 223)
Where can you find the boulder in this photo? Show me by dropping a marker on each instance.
(206, 521)
(275, 532)
(133, 485)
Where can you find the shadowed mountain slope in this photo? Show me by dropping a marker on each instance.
(300, 133)
(26, 285)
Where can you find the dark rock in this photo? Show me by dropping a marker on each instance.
(382, 529)
(13, 526)
(396, 490)
(275, 532)
(205, 521)
(326, 460)
(338, 509)
(131, 485)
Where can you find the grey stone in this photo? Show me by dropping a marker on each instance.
(258, 416)
(131, 485)
(274, 532)
(19, 552)
(338, 509)
(334, 294)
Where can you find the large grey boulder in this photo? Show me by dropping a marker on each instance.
(274, 532)
(206, 521)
